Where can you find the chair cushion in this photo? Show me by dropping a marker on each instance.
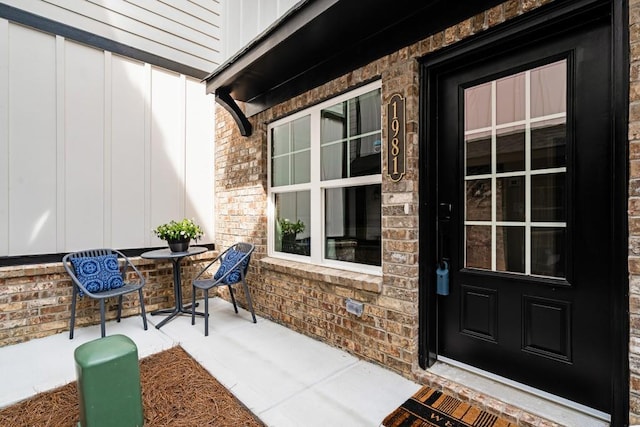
(228, 262)
(98, 274)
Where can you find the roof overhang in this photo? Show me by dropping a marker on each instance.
(319, 40)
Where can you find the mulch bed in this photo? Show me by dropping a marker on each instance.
(176, 391)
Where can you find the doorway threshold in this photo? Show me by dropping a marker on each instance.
(553, 408)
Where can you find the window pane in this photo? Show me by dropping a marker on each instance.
(301, 133)
(300, 166)
(359, 134)
(510, 149)
(477, 107)
(364, 113)
(510, 198)
(353, 224)
(548, 144)
(280, 171)
(333, 163)
(291, 152)
(365, 156)
(478, 206)
(478, 246)
(548, 198)
(280, 140)
(510, 99)
(293, 216)
(334, 123)
(478, 154)
(510, 249)
(549, 89)
(548, 251)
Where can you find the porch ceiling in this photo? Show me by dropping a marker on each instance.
(319, 40)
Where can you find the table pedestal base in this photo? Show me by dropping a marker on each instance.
(176, 258)
(173, 312)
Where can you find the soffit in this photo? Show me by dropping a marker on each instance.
(319, 40)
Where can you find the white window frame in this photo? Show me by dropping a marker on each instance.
(317, 188)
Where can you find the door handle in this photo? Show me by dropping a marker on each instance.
(442, 270)
(444, 220)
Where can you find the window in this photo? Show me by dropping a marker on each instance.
(515, 153)
(325, 182)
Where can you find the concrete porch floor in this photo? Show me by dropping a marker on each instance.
(285, 378)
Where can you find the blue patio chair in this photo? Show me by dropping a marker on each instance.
(233, 268)
(102, 274)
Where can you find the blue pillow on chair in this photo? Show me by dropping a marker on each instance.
(98, 274)
(230, 259)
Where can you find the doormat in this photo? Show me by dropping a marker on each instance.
(429, 407)
(176, 392)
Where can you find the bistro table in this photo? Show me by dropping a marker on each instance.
(176, 259)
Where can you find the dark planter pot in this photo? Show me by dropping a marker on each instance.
(289, 243)
(181, 245)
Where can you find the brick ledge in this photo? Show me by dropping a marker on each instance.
(334, 276)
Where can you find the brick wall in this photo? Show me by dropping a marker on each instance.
(312, 300)
(35, 300)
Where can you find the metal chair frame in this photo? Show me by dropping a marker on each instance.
(208, 283)
(102, 296)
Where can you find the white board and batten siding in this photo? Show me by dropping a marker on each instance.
(185, 31)
(243, 20)
(96, 149)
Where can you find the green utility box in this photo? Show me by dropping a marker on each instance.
(109, 383)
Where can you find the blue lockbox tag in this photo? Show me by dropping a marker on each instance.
(442, 277)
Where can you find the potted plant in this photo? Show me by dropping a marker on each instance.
(178, 234)
(289, 232)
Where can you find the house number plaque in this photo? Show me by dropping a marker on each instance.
(396, 148)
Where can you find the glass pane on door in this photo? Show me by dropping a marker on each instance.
(515, 172)
(510, 143)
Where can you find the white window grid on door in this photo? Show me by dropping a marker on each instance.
(527, 173)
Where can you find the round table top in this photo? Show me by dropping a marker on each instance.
(167, 254)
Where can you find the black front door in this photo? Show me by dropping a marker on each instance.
(523, 190)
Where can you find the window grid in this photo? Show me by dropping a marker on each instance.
(317, 187)
(349, 140)
(495, 175)
(289, 154)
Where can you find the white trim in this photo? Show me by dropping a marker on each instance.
(352, 182)
(108, 151)
(517, 123)
(518, 223)
(182, 197)
(548, 171)
(61, 146)
(527, 169)
(4, 137)
(494, 179)
(147, 154)
(317, 192)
